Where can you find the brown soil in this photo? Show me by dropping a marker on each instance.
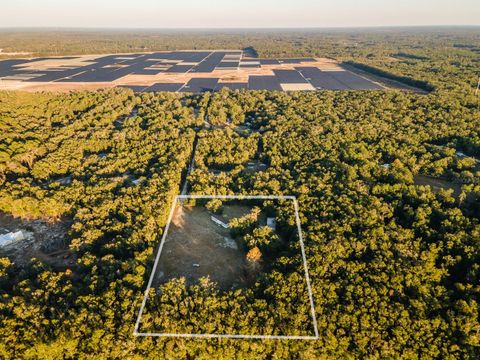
(54, 87)
(196, 247)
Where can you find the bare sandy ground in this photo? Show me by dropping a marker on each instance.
(17, 53)
(197, 248)
(54, 87)
(59, 63)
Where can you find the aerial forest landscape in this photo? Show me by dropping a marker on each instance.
(240, 194)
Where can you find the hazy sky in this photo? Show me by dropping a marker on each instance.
(236, 13)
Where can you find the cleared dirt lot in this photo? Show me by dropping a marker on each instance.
(44, 241)
(196, 247)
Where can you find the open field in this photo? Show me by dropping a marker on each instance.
(182, 71)
(192, 240)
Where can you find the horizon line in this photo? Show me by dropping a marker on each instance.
(241, 28)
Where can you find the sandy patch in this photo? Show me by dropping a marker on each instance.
(58, 63)
(56, 86)
(20, 53)
(196, 247)
(297, 87)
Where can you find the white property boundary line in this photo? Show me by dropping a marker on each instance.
(232, 336)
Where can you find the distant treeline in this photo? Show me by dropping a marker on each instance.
(410, 56)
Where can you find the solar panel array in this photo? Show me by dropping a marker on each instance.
(111, 68)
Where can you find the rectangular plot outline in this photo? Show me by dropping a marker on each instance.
(231, 336)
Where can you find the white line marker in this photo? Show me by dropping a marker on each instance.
(155, 265)
(307, 277)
